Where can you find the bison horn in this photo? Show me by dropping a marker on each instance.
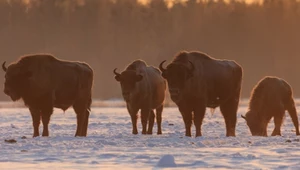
(3, 66)
(193, 67)
(162, 69)
(244, 117)
(115, 71)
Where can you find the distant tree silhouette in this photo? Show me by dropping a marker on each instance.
(263, 38)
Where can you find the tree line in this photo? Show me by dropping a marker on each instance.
(263, 37)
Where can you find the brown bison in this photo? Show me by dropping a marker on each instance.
(44, 82)
(270, 98)
(143, 88)
(197, 81)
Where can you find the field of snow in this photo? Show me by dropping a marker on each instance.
(110, 144)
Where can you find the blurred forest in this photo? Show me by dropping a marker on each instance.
(263, 37)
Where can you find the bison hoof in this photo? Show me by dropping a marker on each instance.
(135, 132)
(149, 133)
(159, 133)
(230, 135)
(144, 133)
(188, 134)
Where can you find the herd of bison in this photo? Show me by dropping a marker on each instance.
(194, 79)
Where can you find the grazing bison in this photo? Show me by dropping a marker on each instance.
(44, 82)
(197, 81)
(143, 88)
(270, 98)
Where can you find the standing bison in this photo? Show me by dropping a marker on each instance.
(143, 88)
(197, 81)
(270, 98)
(44, 82)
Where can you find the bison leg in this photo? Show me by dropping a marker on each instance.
(133, 114)
(36, 119)
(187, 119)
(82, 110)
(46, 114)
(158, 119)
(277, 121)
(82, 121)
(293, 113)
(134, 123)
(151, 122)
(229, 111)
(198, 118)
(186, 114)
(144, 119)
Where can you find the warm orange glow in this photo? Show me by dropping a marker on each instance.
(144, 2)
(247, 1)
(170, 3)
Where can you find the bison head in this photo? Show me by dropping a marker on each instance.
(128, 80)
(15, 81)
(177, 75)
(255, 124)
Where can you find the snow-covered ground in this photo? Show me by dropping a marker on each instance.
(110, 144)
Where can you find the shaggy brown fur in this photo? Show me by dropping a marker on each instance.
(271, 97)
(44, 82)
(143, 88)
(197, 81)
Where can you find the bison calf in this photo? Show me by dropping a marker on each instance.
(270, 98)
(143, 88)
(44, 82)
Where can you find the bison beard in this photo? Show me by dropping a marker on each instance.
(44, 82)
(197, 81)
(270, 98)
(143, 89)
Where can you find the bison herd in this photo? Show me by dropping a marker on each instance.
(195, 81)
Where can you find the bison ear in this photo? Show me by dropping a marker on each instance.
(164, 75)
(138, 78)
(118, 77)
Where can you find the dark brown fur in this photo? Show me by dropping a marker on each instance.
(270, 98)
(44, 82)
(143, 88)
(197, 81)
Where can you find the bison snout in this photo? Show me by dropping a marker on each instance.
(126, 95)
(174, 92)
(6, 92)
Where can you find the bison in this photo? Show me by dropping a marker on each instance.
(270, 98)
(143, 88)
(44, 82)
(197, 81)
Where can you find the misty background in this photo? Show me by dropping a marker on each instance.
(263, 37)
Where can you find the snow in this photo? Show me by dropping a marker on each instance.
(110, 144)
(167, 161)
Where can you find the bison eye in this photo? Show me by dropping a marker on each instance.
(138, 78)
(164, 75)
